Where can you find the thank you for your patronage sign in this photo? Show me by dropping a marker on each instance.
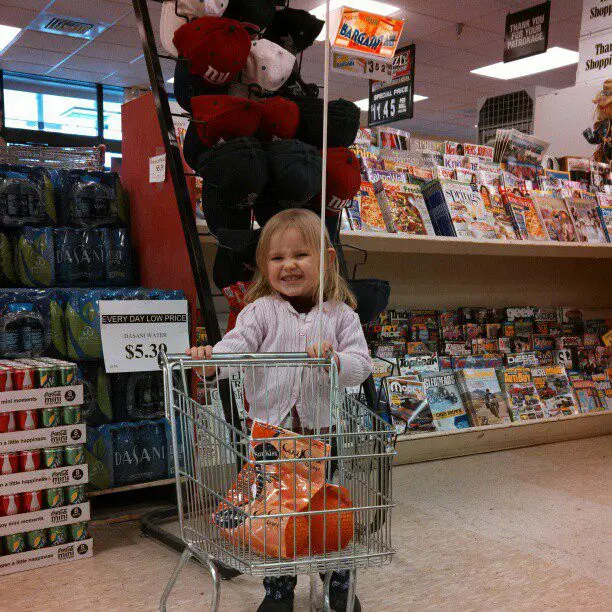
(527, 32)
(595, 46)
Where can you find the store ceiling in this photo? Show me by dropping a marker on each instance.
(443, 59)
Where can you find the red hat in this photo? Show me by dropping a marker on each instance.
(224, 117)
(280, 117)
(343, 179)
(217, 47)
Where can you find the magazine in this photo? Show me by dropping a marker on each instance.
(453, 161)
(464, 175)
(410, 412)
(371, 217)
(483, 397)
(525, 218)
(482, 152)
(527, 172)
(556, 218)
(353, 215)
(426, 146)
(554, 390)
(391, 138)
(521, 394)
(524, 148)
(444, 401)
(442, 172)
(453, 148)
(586, 218)
(604, 210)
(426, 362)
(502, 222)
(403, 208)
(604, 390)
(586, 393)
(467, 210)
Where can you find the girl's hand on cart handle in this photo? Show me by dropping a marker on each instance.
(325, 350)
(202, 352)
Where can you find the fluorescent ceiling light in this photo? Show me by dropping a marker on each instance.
(555, 57)
(7, 35)
(363, 104)
(170, 80)
(370, 6)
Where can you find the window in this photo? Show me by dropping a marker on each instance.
(38, 103)
(113, 99)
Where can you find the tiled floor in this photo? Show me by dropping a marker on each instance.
(525, 529)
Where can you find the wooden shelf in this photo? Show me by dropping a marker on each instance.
(445, 245)
(133, 487)
(443, 444)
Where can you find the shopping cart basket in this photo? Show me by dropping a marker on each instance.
(268, 501)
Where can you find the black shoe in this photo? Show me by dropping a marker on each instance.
(276, 605)
(338, 599)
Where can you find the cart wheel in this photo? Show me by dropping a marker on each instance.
(226, 573)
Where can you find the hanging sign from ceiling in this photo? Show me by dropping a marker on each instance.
(389, 102)
(527, 32)
(367, 34)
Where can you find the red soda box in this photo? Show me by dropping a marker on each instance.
(5, 379)
(7, 422)
(29, 460)
(27, 420)
(9, 463)
(23, 377)
(10, 504)
(32, 501)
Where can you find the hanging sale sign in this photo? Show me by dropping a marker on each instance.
(134, 332)
(367, 34)
(389, 102)
(377, 70)
(527, 32)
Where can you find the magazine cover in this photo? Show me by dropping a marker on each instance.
(391, 138)
(427, 362)
(483, 397)
(371, 216)
(426, 146)
(527, 172)
(442, 172)
(556, 218)
(410, 412)
(521, 394)
(464, 175)
(586, 218)
(586, 393)
(453, 148)
(403, 208)
(353, 215)
(444, 401)
(554, 390)
(525, 217)
(467, 210)
(432, 159)
(604, 390)
(502, 222)
(453, 161)
(604, 209)
(524, 148)
(482, 152)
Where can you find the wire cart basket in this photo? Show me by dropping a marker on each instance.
(271, 496)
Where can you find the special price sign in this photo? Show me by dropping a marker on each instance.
(134, 332)
(389, 102)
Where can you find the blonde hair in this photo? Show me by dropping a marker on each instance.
(309, 225)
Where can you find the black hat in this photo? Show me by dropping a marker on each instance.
(193, 146)
(295, 89)
(294, 29)
(233, 175)
(372, 297)
(294, 178)
(255, 15)
(235, 258)
(342, 125)
(187, 85)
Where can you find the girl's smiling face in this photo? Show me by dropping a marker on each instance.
(292, 269)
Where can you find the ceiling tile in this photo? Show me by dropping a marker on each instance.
(457, 10)
(33, 56)
(493, 22)
(119, 35)
(417, 26)
(24, 67)
(50, 42)
(461, 61)
(77, 75)
(100, 11)
(470, 38)
(33, 5)
(565, 33)
(103, 50)
(426, 51)
(559, 9)
(89, 64)
(16, 16)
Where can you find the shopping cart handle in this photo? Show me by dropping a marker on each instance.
(236, 358)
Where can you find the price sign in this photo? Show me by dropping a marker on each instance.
(157, 168)
(134, 332)
(374, 69)
(389, 102)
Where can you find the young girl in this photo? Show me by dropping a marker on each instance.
(282, 316)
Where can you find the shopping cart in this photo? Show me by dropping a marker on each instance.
(267, 501)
